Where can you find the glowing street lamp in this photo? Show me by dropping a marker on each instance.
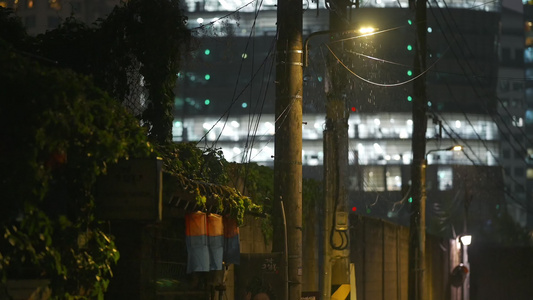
(466, 239)
(452, 148)
(364, 31)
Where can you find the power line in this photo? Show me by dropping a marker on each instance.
(467, 63)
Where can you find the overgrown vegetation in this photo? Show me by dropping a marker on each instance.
(205, 174)
(61, 129)
(59, 134)
(136, 51)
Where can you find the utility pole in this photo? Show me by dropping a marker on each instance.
(336, 237)
(288, 141)
(417, 230)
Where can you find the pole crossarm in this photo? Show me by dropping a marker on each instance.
(317, 33)
(451, 148)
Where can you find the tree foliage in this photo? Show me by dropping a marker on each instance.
(194, 163)
(134, 53)
(257, 182)
(60, 132)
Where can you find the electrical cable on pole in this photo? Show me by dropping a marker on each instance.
(417, 231)
(336, 262)
(288, 142)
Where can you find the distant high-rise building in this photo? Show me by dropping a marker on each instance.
(475, 89)
(512, 109)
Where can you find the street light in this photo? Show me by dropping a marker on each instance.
(466, 239)
(364, 31)
(452, 148)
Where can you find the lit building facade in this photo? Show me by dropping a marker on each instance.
(512, 109)
(225, 98)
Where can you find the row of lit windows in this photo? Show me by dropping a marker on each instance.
(360, 126)
(389, 178)
(375, 149)
(232, 5)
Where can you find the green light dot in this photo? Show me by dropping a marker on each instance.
(410, 73)
(409, 98)
(207, 52)
(410, 200)
(207, 76)
(409, 47)
(207, 102)
(368, 210)
(410, 22)
(244, 105)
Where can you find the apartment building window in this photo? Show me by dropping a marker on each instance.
(517, 121)
(529, 116)
(394, 178)
(353, 183)
(374, 179)
(530, 173)
(54, 4)
(445, 178)
(528, 53)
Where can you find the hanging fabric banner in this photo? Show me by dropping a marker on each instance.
(197, 243)
(232, 249)
(215, 239)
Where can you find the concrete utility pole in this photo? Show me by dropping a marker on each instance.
(288, 140)
(417, 231)
(336, 237)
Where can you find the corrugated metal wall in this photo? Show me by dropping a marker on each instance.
(379, 251)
